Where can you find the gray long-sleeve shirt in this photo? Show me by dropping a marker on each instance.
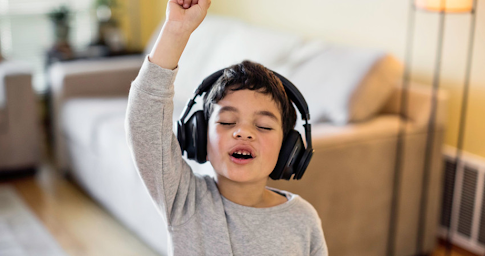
(200, 220)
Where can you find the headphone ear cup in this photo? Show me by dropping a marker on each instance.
(305, 160)
(196, 137)
(181, 136)
(291, 151)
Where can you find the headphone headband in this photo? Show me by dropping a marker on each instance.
(293, 93)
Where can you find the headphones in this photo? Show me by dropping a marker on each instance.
(293, 158)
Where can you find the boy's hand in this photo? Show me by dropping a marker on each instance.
(187, 14)
(179, 24)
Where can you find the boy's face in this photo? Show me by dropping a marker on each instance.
(244, 136)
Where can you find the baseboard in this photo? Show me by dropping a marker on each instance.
(456, 248)
(10, 174)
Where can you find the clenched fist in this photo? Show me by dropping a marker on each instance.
(188, 14)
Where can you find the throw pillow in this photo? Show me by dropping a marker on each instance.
(344, 84)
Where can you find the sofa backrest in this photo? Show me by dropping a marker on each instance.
(341, 84)
(220, 42)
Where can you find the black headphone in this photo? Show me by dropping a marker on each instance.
(293, 158)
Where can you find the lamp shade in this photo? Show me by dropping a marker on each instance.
(445, 5)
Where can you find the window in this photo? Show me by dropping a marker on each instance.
(26, 33)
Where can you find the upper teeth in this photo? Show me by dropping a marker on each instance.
(242, 153)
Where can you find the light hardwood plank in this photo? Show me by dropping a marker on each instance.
(79, 224)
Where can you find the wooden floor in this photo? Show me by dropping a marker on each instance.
(81, 226)
(455, 251)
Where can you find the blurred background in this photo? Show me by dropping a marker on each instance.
(65, 50)
(27, 34)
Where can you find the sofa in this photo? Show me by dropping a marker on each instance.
(19, 120)
(354, 98)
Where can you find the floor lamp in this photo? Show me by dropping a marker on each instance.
(442, 7)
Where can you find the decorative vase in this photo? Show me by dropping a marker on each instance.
(61, 49)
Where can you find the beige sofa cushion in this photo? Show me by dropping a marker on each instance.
(375, 88)
(343, 85)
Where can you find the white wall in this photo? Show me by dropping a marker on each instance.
(382, 24)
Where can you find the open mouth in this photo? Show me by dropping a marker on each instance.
(242, 155)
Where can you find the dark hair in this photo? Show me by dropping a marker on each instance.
(255, 77)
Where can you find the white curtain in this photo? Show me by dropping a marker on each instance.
(26, 33)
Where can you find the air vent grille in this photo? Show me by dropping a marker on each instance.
(467, 202)
(463, 200)
(481, 231)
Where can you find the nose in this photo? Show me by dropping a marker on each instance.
(243, 133)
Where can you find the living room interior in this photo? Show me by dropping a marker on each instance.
(398, 169)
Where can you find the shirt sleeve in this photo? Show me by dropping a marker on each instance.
(322, 251)
(318, 244)
(154, 147)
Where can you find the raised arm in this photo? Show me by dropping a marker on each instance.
(148, 124)
(179, 24)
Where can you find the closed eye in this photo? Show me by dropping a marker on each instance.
(260, 127)
(265, 128)
(226, 123)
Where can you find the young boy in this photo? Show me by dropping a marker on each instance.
(248, 113)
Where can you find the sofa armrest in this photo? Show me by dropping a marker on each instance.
(88, 78)
(11, 69)
(19, 135)
(325, 135)
(13, 80)
(109, 77)
(419, 104)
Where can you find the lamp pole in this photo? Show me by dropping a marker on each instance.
(464, 106)
(430, 138)
(391, 241)
(442, 7)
